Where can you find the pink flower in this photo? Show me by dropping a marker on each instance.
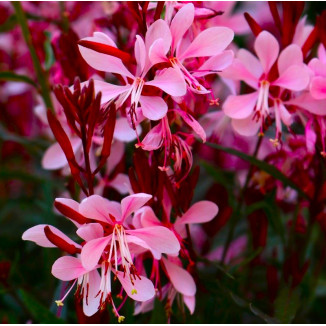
(170, 46)
(249, 111)
(152, 107)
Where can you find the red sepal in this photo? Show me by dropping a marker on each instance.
(254, 26)
(60, 243)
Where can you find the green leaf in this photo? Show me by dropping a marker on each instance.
(37, 310)
(9, 75)
(49, 55)
(286, 305)
(270, 169)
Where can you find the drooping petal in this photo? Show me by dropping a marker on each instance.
(240, 106)
(99, 208)
(215, 64)
(295, 78)
(194, 124)
(90, 231)
(141, 290)
(68, 268)
(200, 212)
(291, 55)
(37, 235)
(285, 115)
(109, 91)
(92, 252)
(154, 138)
(246, 127)
(153, 107)
(267, 49)
(180, 278)
(318, 88)
(131, 203)
(190, 302)
(209, 42)
(92, 302)
(159, 238)
(181, 22)
(124, 132)
(54, 157)
(169, 81)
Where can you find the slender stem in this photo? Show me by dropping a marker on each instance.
(40, 73)
(237, 215)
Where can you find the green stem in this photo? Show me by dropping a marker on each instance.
(237, 216)
(40, 73)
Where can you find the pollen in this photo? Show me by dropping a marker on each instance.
(59, 303)
(121, 319)
(133, 291)
(275, 142)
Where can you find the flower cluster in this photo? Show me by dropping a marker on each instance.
(131, 97)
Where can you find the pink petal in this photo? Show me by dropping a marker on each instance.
(250, 62)
(240, 106)
(285, 115)
(54, 157)
(37, 235)
(143, 286)
(156, 52)
(131, 203)
(311, 137)
(124, 132)
(246, 127)
(201, 212)
(67, 268)
(148, 217)
(169, 81)
(194, 124)
(121, 183)
(209, 42)
(267, 49)
(109, 91)
(295, 78)
(92, 251)
(104, 62)
(158, 238)
(291, 55)
(307, 102)
(215, 64)
(99, 208)
(140, 53)
(318, 88)
(181, 23)
(190, 302)
(154, 138)
(180, 278)
(157, 30)
(118, 149)
(153, 107)
(237, 71)
(138, 246)
(318, 67)
(90, 231)
(91, 305)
